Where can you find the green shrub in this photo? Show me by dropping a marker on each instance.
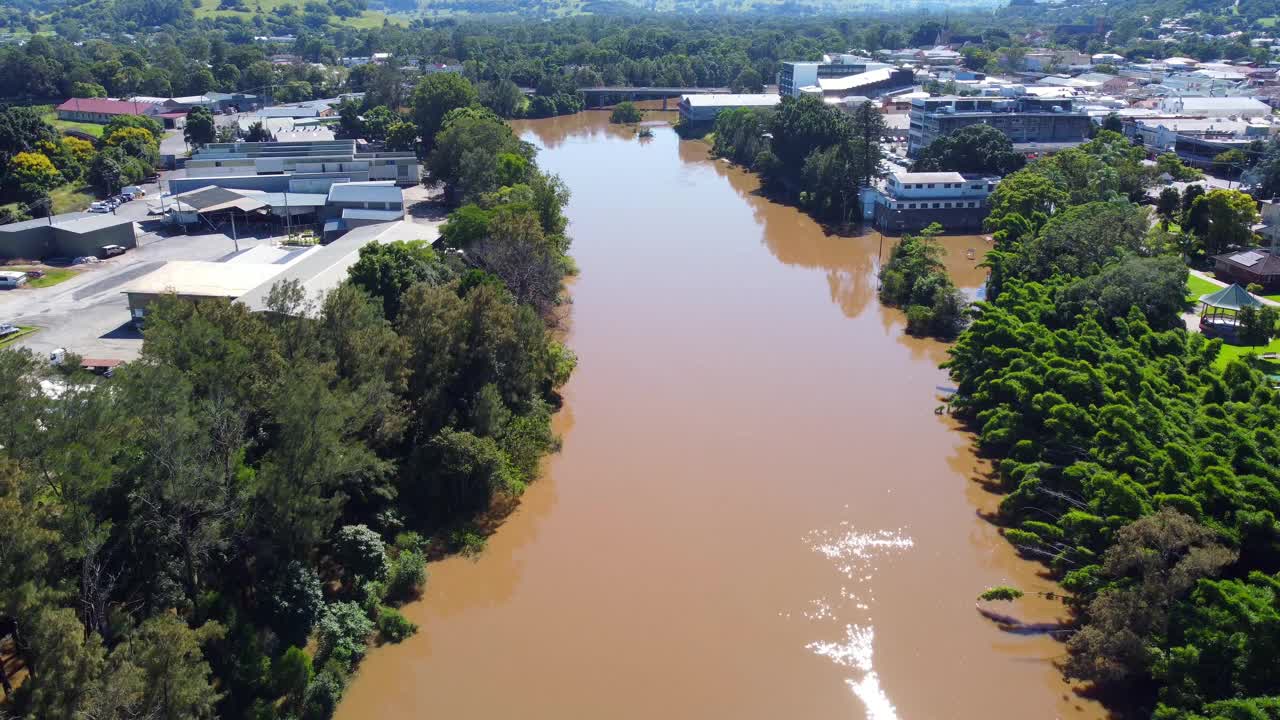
(393, 626)
(361, 552)
(407, 575)
(323, 695)
(919, 320)
(343, 632)
(291, 674)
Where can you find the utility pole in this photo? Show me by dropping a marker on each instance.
(234, 238)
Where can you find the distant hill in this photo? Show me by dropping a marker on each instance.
(559, 8)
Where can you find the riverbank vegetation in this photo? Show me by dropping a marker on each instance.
(915, 280)
(221, 527)
(626, 113)
(1142, 473)
(806, 152)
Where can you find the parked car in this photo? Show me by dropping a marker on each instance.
(35, 273)
(107, 251)
(10, 279)
(85, 260)
(6, 329)
(100, 207)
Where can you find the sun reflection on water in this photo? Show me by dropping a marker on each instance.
(855, 555)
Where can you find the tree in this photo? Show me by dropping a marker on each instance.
(466, 226)
(22, 129)
(402, 136)
(177, 677)
(361, 552)
(503, 97)
(1170, 164)
(1156, 286)
(123, 122)
(466, 152)
(106, 174)
(1230, 162)
(973, 149)
(290, 676)
(1227, 219)
(1161, 556)
(626, 113)
(747, 81)
(258, 132)
(1168, 203)
(200, 129)
(1259, 325)
(34, 170)
(867, 129)
(517, 250)
(387, 270)
(88, 90)
(1113, 123)
(434, 96)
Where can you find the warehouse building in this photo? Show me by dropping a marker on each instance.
(341, 157)
(68, 235)
(250, 276)
(703, 109)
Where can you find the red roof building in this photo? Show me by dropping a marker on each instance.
(101, 110)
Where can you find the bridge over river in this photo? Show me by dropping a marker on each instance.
(605, 94)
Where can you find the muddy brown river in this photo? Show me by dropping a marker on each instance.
(756, 512)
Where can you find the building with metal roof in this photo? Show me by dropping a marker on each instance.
(1216, 107)
(66, 235)
(703, 108)
(195, 280)
(321, 269)
(102, 110)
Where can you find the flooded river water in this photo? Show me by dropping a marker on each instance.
(756, 512)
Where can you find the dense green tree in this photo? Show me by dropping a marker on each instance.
(1223, 219)
(626, 113)
(200, 128)
(747, 81)
(433, 98)
(503, 97)
(974, 149)
(387, 270)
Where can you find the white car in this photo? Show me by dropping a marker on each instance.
(6, 329)
(99, 207)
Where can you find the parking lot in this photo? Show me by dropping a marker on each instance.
(88, 314)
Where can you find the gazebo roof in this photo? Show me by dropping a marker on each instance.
(1232, 297)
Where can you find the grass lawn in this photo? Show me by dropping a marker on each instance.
(52, 276)
(23, 331)
(48, 113)
(1231, 352)
(70, 198)
(1268, 21)
(1198, 286)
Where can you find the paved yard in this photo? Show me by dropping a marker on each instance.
(88, 314)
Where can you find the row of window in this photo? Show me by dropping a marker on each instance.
(925, 205)
(921, 186)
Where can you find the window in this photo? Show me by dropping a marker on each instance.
(930, 184)
(976, 187)
(911, 206)
(946, 205)
(937, 205)
(973, 204)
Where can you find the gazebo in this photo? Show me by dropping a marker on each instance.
(1220, 313)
